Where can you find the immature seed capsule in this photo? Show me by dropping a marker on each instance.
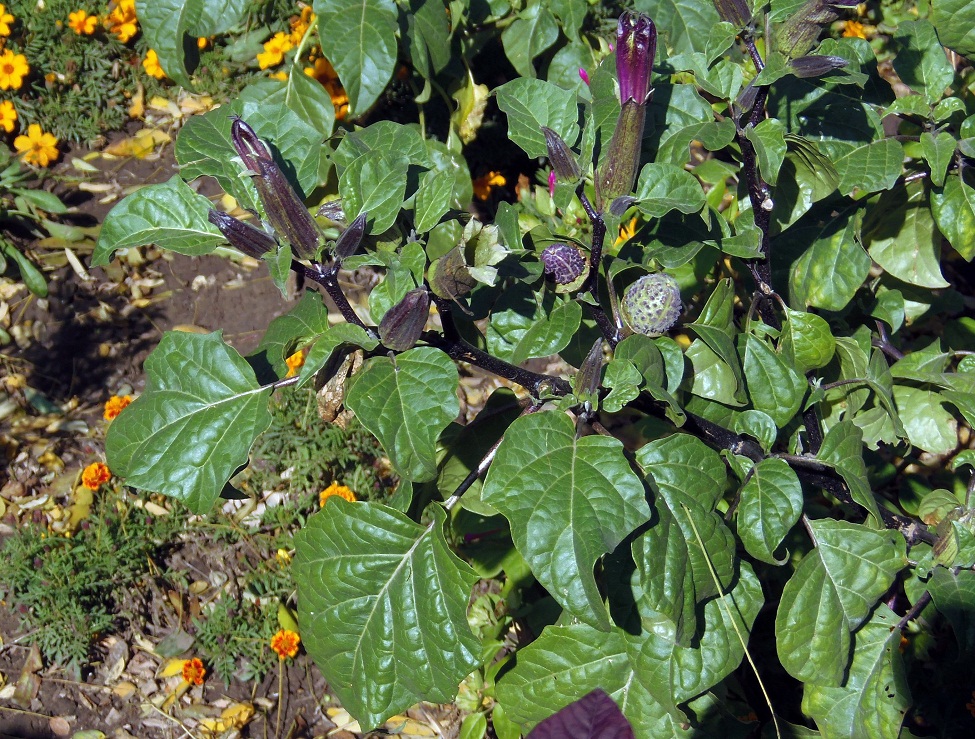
(651, 305)
(563, 264)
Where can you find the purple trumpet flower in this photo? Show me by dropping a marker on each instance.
(636, 45)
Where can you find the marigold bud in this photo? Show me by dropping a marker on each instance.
(651, 305)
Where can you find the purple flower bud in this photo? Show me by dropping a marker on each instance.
(636, 45)
(402, 325)
(816, 66)
(242, 236)
(551, 183)
(349, 240)
(563, 160)
(584, 76)
(736, 12)
(285, 210)
(651, 305)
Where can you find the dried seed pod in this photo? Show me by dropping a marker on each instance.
(565, 266)
(242, 236)
(651, 305)
(402, 325)
(449, 276)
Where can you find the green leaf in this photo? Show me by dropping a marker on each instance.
(954, 211)
(955, 23)
(830, 594)
(842, 448)
(921, 62)
(900, 234)
(433, 199)
(625, 380)
(875, 696)
(716, 328)
(928, 423)
(683, 27)
(381, 595)
(343, 334)
(169, 215)
(531, 33)
(431, 28)
(807, 176)
(807, 342)
(938, 150)
(525, 324)
(771, 502)
(531, 104)
(768, 138)
(164, 24)
(297, 327)
(953, 594)
(569, 500)
(759, 425)
(833, 265)
(203, 147)
(773, 387)
(571, 13)
(375, 183)
(406, 403)
(359, 38)
(874, 166)
(711, 376)
(194, 425)
(665, 187)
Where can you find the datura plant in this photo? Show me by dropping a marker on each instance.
(742, 492)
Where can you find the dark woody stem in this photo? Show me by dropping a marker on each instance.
(606, 327)
(327, 277)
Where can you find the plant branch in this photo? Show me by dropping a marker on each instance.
(327, 277)
(915, 610)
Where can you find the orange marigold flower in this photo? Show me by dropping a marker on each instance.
(335, 489)
(854, 29)
(5, 20)
(81, 23)
(486, 182)
(194, 671)
(295, 362)
(152, 66)
(37, 147)
(13, 69)
(8, 116)
(95, 475)
(285, 643)
(115, 405)
(202, 43)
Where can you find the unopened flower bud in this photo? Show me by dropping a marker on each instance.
(586, 383)
(561, 157)
(402, 325)
(736, 12)
(285, 210)
(816, 66)
(244, 237)
(349, 240)
(332, 210)
(564, 264)
(651, 305)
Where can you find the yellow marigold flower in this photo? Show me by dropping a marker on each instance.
(13, 69)
(486, 182)
(275, 49)
(37, 147)
(152, 66)
(283, 556)
(115, 405)
(5, 20)
(283, 76)
(285, 643)
(125, 31)
(95, 475)
(194, 671)
(8, 116)
(627, 230)
(295, 362)
(122, 21)
(854, 29)
(81, 23)
(335, 489)
(202, 43)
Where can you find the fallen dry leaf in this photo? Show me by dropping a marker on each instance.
(59, 726)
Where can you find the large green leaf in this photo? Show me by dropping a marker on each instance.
(569, 500)
(928, 423)
(194, 425)
(842, 448)
(832, 266)
(383, 608)
(953, 207)
(953, 594)
(955, 23)
(359, 38)
(921, 62)
(830, 594)
(717, 329)
(342, 334)
(900, 234)
(169, 215)
(874, 166)
(525, 324)
(768, 138)
(375, 183)
(807, 341)
(875, 695)
(773, 386)
(406, 402)
(297, 327)
(531, 33)
(684, 27)
(771, 501)
(666, 187)
(166, 23)
(531, 104)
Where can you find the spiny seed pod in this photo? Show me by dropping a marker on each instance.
(402, 325)
(651, 305)
(565, 266)
(242, 236)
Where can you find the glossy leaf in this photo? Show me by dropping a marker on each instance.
(807, 342)
(531, 104)
(773, 387)
(683, 27)
(343, 334)
(375, 183)
(953, 594)
(875, 696)
(928, 423)
(768, 138)
(569, 501)
(297, 327)
(955, 23)
(875, 166)
(194, 425)
(381, 595)
(170, 215)
(665, 187)
(831, 593)
(771, 501)
(832, 267)
(406, 403)
(359, 38)
(842, 448)
(526, 325)
(953, 207)
(922, 63)
(938, 150)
